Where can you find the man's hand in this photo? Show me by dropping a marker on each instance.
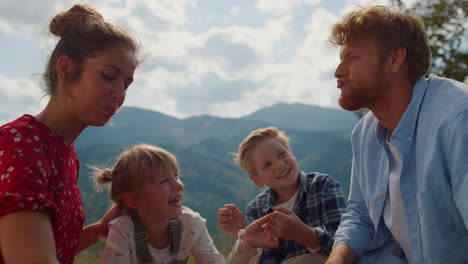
(231, 220)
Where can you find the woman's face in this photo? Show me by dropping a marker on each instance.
(94, 97)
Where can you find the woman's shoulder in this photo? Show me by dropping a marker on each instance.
(22, 125)
(28, 130)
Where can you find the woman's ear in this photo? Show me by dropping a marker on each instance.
(130, 200)
(65, 68)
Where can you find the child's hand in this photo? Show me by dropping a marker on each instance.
(263, 232)
(231, 220)
(292, 227)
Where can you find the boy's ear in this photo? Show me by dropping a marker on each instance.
(256, 180)
(130, 200)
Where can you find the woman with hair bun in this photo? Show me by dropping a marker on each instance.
(87, 75)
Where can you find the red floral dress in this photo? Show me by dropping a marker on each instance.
(39, 172)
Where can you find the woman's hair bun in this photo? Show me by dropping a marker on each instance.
(79, 18)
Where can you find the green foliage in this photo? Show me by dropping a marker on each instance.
(446, 22)
(91, 255)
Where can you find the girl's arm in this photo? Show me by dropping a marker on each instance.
(204, 250)
(27, 237)
(262, 233)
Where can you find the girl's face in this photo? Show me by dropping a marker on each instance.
(100, 89)
(163, 195)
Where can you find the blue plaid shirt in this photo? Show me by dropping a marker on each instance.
(319, 204)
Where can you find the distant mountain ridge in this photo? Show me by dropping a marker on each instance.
(133, 125)
(303, 117)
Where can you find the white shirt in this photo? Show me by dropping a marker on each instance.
(120, 244)
(289, 204)
(394, 212)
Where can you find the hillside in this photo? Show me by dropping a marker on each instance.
(303, 117)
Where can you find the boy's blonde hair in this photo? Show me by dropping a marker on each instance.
(252, 140)
(392, 29)
(133, 168)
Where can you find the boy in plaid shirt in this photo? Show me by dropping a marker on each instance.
(309, 206)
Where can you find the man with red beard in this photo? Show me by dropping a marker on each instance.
(409, 182)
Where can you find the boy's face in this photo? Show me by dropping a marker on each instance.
(275, 166)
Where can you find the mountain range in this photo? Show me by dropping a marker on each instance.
(319, 138)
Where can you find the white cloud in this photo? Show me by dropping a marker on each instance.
(307, 76)
(19, 96)
(261, 39)
(279, 7)
(234, 10)
(198, 61)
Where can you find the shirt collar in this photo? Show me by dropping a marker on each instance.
(407, 125)
(271, 195)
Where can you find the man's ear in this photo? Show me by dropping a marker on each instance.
(65, 68)
(257, 180)
(130, 200)
(398, 58)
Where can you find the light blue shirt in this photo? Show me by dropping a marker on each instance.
(432, 137)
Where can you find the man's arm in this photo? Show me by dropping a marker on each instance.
(342, 254)
(456, 144)
(356, 229)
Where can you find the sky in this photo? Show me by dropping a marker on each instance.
(226, 58)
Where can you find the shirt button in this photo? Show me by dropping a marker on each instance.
(379, 193)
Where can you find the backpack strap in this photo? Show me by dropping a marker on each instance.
(176, 237)
(141, 239)
(175, 232)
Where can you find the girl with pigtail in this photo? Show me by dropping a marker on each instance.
(87, 75)
(156, 228)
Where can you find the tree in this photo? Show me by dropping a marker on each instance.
(445, 21)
